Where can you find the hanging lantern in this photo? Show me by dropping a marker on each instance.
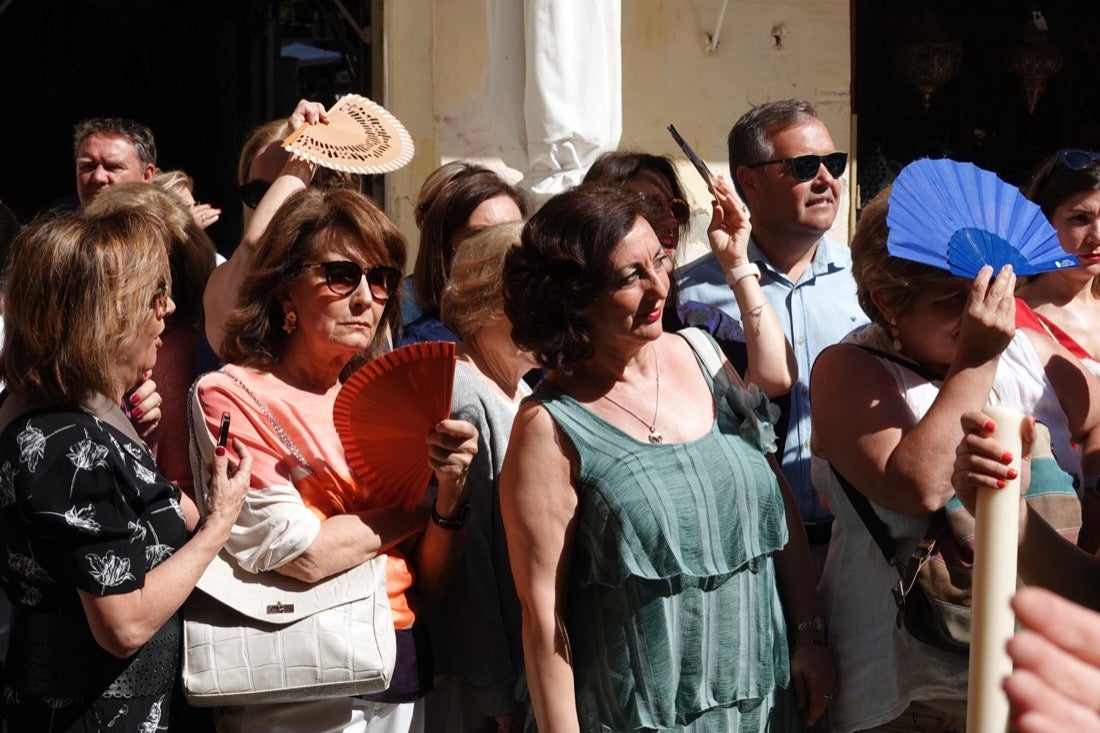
(1035, 59)
(928, 57)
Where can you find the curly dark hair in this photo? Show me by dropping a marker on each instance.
(562, 268)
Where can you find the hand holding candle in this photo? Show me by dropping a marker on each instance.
(997, 519)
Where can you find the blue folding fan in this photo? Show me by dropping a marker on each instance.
(958, 217)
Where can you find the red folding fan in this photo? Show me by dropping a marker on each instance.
(383, 414)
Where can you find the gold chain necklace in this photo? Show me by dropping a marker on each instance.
(655, 437)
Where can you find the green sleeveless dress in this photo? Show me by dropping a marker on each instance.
(673, 613)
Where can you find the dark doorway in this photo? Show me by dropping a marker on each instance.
(981, 114)
(201, 74)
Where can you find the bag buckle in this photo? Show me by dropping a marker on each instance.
(280, 607)
(898, 592)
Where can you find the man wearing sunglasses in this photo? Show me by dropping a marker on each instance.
(787, 170)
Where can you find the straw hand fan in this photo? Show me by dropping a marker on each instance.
(958, 217)
(360, 137)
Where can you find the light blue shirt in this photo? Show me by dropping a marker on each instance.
(815, 312)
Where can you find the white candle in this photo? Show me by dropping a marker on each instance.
(996, 537)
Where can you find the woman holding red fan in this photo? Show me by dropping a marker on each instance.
(321, 290)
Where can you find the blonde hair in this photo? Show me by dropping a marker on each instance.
(80, 289)
(174, 181)
(894, 281)
(190, 249)
(474, 295)
(274, 131)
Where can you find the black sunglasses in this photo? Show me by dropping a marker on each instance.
(1072, 159)
(805, 167)
(252, 192)
(343, 277)
(1077, 160)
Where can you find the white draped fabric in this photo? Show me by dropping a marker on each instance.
(555, 79)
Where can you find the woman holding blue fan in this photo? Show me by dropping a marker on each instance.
(942, 342)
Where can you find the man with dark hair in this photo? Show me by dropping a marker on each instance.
(111, 150)
(786, 168)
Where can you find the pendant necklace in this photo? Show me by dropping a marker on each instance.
(655, 437)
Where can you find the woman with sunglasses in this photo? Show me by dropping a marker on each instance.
(770, 363)
(321, 291)
(268, 176)
(1065, 304)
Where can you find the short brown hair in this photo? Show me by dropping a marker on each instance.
(474, 295)
(749, 140)
(895, 281)
(303, 227)
(138, 135)
(80, 288)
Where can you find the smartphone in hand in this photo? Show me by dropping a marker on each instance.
(700, 166)
(223, 433)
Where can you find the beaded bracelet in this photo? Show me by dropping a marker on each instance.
(458, 521)
(814, 624)
(811, 642)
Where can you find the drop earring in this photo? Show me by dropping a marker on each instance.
(895, 336)
(290, 321)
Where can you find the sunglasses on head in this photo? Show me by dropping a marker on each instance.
(1077, 160)
(343, 277)
(252, 192)
(1071, 159)
(805, 167)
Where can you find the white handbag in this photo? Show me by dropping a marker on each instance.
(252, 638)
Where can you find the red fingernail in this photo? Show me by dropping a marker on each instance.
(1012, 473)
(1000, 483)
(146, 374)
(134, 399)
(136, 412)
(1006, 458)
(989, 426)
(220, 451)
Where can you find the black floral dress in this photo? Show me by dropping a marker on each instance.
(82, 506)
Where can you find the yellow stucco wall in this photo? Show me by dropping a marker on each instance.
(437, 79)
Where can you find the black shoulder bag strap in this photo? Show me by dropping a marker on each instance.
(878, 530)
